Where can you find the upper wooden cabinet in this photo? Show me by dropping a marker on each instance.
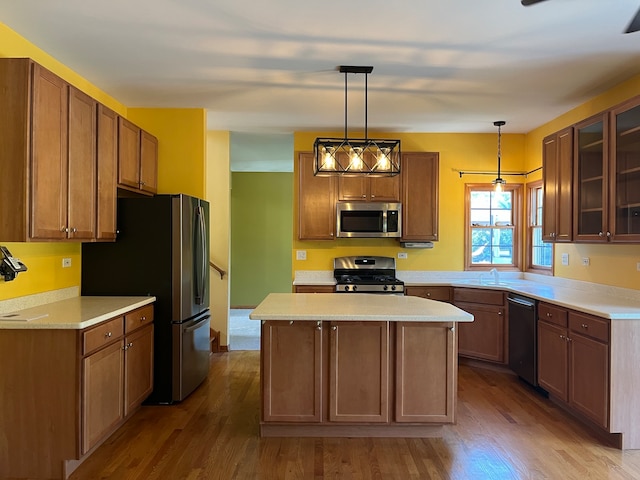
(419, 173)
(137, 158)
(369, 189)
(624, 208)
(107, 165)
(557, 169)
(48, 156)
(316, 202)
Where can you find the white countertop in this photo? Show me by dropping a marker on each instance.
(601, 300)
(73, 313)
(363, 306)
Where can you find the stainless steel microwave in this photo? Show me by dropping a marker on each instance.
(369, 219)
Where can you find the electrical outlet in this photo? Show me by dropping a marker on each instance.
(403, 255)
(638, 266)
(66, 262)
(585, 261)
(565, 259)
(301, 254)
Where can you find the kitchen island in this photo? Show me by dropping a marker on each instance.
(357, 365)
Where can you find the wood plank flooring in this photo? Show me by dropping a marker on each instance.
(504, 431)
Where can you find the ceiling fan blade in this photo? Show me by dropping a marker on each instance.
(527, 3)
(634, 26)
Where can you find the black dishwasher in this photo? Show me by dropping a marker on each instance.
(523, 337)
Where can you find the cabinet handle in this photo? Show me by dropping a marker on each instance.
(142, 184)
(608, 234)
(600, 234)
(334, 328)
(125, 347)
(549, 315)
(130, 345)
(452, 329)
(585, 326)
(428, 295)
(74, 230)
(290, 322)
(264, 321)
(107, 335)
(319, 325)
(500, 312)
(64, 229)
(143, 318)
(364, 196)
(563, 337)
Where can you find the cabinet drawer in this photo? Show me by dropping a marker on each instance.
(102, 335)
(597, 328)
(138, 318)
(315, 289)
(478, 295)
(552, 314)
(442, 294)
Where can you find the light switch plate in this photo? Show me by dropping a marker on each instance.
(565, 259)
(403, 255)
(66, 262)
(301, 254)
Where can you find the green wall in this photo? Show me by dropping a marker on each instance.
(261, 236)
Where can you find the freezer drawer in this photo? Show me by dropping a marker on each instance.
(190, 355)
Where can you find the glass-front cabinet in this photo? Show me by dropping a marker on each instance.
(591, 157)
(625, 172)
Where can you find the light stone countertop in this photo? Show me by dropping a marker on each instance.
(604, 301)
(73, 313)
(363, 306)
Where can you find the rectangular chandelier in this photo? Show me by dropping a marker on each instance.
(356, 156)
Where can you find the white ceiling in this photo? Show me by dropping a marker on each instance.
(269, 66)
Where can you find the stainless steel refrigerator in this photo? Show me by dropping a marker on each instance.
(162, 249)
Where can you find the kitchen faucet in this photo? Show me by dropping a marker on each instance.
(496, 275)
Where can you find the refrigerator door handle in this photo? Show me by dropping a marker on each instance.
(196, 325)
(201, 260)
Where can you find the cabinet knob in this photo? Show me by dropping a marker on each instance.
(334, 328)
(290, 322)
(143, 318)
(452, 329)
(107, 335)
(608, 234)
(562, 337)
(428, 294)
(601, 234)
(64, 229)
(500, 312)
(364, 196)
(585, 326)
(74, 230)
(129, 345)
(549, 315)
(319, 325)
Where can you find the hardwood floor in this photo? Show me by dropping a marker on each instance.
(504, 430)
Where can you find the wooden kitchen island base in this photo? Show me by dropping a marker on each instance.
(357, 365)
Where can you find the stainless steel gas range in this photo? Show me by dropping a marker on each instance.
(367, 275)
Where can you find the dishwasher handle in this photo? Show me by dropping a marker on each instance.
(522, 302)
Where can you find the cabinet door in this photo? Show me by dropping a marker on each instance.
(81, 221)
(148, 162)
(48, 156)
(102, 393)
(315, 289)
(352, 189)
(426, 372)
(107, 158)
(384, 189)
(553, 359)
(359, 372)
(291, 356)
(625, 173)
(138, 376)
(128, 154)
(419, 197)
(557, 223)
(591, 180)
(316, 202)
(484, 337)
(589, 378)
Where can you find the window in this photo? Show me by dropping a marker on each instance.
(492, 220)
(539, 253)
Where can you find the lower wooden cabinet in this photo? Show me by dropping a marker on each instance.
(573, 360)
(80, 387)
(425, 393)
(315, 289)
(358, 373)
(485, 338)
(441, 293)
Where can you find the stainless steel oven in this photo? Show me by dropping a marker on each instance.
(367, 275)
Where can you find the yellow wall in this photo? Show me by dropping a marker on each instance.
(458, 152)
(181, 137)
(219, 197)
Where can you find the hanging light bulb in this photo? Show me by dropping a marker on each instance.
(383, 163)
(328, 159)
(356, 161)
(499, 181)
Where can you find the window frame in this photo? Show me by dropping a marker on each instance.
(532, 205)
(516, 211)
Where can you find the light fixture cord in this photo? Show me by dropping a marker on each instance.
(345, 105)
(366, 102)
(499, 136)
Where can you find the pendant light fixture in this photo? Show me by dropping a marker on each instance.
(499, 181)
(356, 156)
